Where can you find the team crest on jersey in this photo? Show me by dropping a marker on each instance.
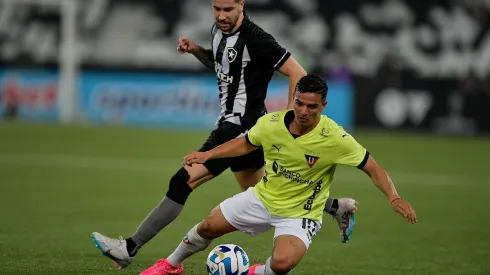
(311, 160)
(231, 54)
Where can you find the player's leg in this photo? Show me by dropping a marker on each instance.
(292, 238)
(342, 210)
(249, 177)
(248, 169)
(180, 187)
(196, 240)
(242, 212)
(287, 253)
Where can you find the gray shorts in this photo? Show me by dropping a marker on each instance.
(248, 214)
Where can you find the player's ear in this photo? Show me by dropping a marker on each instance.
(324, 104)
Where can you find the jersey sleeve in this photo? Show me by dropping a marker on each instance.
(350, 152)
(254, 135)
(265, 49)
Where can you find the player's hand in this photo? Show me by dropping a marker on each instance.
(196, 158)
(186, 45)
(405, 209)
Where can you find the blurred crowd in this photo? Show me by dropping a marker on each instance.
(375, 38)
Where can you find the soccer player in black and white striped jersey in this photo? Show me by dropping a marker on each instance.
(244, 58)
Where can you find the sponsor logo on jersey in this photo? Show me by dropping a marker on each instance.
(218, 68)
(274, 118)
(309, 203)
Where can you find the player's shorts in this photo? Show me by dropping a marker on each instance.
(226, 132)
(248, 214)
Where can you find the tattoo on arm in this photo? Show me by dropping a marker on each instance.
(205, 56)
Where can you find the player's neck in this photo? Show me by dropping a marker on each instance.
(297, 129)
(238, 23)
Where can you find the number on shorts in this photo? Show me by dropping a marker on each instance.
(310, 226)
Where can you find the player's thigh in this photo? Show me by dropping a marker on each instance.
(246, 212)
(249, 177)
(224, 133)
(215, 225)
(302, 228)
(292, 237)
(249, 168)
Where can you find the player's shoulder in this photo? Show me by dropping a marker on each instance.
(332, 129)
(254, 32)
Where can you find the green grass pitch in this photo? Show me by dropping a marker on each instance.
(60, 183)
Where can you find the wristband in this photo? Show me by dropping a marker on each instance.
(395, 200)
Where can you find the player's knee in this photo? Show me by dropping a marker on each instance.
(214, 226)
(282, 263)
(178, 189)
(207, 230)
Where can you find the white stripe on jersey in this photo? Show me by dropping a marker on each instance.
(241, 96)
(280, 60)
(230, 42)
(240, 100)
(216, 40)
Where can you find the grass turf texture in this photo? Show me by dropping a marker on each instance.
(60, 183)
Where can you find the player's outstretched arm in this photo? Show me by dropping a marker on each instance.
(383, 181)
(292, 69)
(233, 148)
(186, 45)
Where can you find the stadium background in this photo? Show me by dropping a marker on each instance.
(410, 79)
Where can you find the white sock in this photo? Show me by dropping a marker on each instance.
(260, 270)
(191, 244)
(266, 269)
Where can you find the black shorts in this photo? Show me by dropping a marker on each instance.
(226, 132)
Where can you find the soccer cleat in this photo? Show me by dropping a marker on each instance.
(115, 249)
(345, 217)
(251, 270)
(163, 267)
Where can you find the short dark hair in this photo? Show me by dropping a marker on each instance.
(313, 84)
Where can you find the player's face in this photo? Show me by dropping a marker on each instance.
(227, 13)
(308, 108)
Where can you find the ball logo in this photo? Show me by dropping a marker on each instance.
(227, 259)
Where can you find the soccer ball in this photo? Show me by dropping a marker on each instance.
(227, 259)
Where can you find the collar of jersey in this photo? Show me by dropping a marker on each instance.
(315, 130)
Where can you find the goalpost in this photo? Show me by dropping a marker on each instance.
(68, 59)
